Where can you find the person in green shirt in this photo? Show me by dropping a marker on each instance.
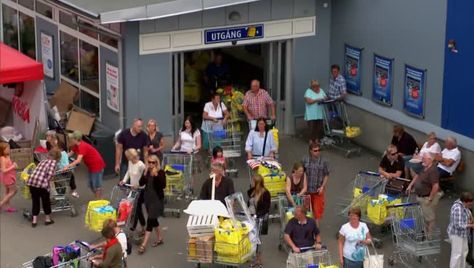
(314, 112)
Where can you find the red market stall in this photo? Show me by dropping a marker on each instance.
(21, 92)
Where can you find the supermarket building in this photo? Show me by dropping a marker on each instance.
(147, 51)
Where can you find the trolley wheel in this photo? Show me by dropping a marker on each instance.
(27, 215)
(391, 261)
(280, 247)
(178, 215)
(73, 212)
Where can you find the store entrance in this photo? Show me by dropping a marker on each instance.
(219, 70)
(196, 74)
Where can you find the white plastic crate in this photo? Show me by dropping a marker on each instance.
(202, 225)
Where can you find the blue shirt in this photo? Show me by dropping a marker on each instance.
(64, 160)
(254, 143)
(337, 87)
(314, 111)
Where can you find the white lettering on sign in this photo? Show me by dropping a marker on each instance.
(226, 35)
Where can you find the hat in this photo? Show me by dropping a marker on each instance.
(77, 135)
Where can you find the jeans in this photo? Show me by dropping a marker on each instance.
(40, 195)
(353, 264)
(459, 251)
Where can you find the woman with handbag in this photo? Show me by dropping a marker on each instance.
(260, 141)
(259, 205)
(354, 236)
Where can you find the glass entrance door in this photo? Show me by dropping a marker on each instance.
(177, 93)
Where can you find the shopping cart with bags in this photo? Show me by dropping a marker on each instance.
(229, 138)
(414, 243)
(178, 167)
(123, 199)
(338, 129)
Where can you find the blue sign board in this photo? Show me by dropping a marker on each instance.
(414, 91)
(352, 57)
(233, 34)
(382, 80)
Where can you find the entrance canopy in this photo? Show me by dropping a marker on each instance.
(109, 11)
(16, 67)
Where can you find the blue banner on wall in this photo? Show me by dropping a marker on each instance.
(414, 91)
(382, 80)
(352, 69)
(233, 34)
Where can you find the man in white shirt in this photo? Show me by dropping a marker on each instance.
(449, 158)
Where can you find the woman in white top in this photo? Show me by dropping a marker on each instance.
(353, 237)
(260, 141)
(189, 139)
(215, 113)
(431, 146)
(135, 171)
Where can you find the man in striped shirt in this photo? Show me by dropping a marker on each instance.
(459, 229)
(257, 101)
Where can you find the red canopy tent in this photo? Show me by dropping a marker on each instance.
(16, 67)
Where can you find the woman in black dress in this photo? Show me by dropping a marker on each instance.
(259, 205)
(155, 139)
(154, 180)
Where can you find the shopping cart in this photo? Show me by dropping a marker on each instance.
(274, 179)
(81, 261)
(413, 242)
(309, 258)
(178, 168)
(229, 138)
(123, 199)
(286, 212)
(59, 188)
(337, 128)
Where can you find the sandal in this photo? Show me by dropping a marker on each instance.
(157, 243)
(141, 249)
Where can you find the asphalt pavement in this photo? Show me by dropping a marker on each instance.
(19, 242)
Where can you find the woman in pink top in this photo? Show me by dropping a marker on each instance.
(7, 176)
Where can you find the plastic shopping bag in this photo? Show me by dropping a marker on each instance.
(90, 207)
(124, 210)
(24, 176)
(373, 260)
(377, 211)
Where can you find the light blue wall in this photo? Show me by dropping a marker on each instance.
(52, 30)
(147, 82)
(263, 10)
(410, 31)
(311, 56)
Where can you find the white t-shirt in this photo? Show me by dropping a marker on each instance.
(433, 149)
(352, 236)
(453, 154)
(134, 173)
(188, 141)
(122, 239)
(214, 113)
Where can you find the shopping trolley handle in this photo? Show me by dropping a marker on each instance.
(125, 185)
(85, 245)
(409, 204)
(304, 249)
(371, 173)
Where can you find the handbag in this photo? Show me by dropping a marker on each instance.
(373, 260)
(263, 224)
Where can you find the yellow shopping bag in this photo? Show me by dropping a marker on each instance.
(24, 176)
(377, 211)
(94, 204)
(99, 215)
(357, 192)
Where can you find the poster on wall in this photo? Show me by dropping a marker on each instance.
(112, 86)
(382, 80)
(414, 91)
(47, 55)
(352, 69)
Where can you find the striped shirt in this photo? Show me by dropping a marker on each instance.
(42, 174)
(459, 219)
(257, 103)
(337, 87)
(316, 169)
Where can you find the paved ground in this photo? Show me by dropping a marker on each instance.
(19, 242)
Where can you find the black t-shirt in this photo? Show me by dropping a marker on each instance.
(406, 145)
(302, 235)
(129, 141)
(397, 165)
(225, 188)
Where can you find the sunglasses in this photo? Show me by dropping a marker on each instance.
(316, 150)
(151, 162)
(394, 153)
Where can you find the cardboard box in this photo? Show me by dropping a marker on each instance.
(64, 97)
(205, 249)
(80, 120)
(5, 107)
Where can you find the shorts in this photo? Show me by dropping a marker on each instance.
(151, 224)
(429, 208)
(95, 180)
(317, 204)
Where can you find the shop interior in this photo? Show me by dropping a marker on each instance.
(230, 68)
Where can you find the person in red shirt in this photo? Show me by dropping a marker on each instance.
(92, 159)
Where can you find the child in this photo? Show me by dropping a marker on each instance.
(218, 157)
(8, 177)
(135, 171)
(52, 141)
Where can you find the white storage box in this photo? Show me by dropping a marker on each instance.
(201, 225)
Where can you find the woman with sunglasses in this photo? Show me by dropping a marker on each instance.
(154, 180)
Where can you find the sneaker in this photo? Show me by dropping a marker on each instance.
(75, 194)
(11, 210)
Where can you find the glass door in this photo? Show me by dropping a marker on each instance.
(177, 93)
